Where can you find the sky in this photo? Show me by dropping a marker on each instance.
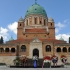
(12, 10)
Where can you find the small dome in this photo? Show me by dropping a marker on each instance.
(20, 20)
(11, 38)
(61, 39)
(36, 9)
(50, 19)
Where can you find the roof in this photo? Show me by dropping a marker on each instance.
(50, 19)
(61, 39)
(36, 9)
(43, 40)
(11, 38)
(21, 20)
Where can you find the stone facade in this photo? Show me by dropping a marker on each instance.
(35, 36)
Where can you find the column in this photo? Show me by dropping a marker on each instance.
(28, 21)
(25, 22)
(4, 49)
(9, 49)
(32, 20)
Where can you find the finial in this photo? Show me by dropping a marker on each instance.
(35, 1)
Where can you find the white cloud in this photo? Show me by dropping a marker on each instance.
(56, 30)
(13, 27)
(59, 26)
(4, 33)
(65, 21)
(64, 36)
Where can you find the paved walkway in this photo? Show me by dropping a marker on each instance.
(34, 68)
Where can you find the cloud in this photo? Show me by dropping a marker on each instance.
(59, 26)
(4, 33)
(65, 21)
(56, 30)
(64, 36)
(13, 27)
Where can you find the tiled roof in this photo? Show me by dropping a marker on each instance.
(43, 40)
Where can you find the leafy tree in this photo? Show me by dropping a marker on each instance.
(1, 40)
(69, 39)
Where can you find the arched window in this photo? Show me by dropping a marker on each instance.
(48, 48)
(1, 50)
(20, 24)
(44, 22)
(40, 22)
(35, 20)
(58, 49)
(27, 22)
(51, 24)
(69, 49)
(7, 50)
(13, 50)
(23, 48)
(64, 49)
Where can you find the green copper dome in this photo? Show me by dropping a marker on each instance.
(36, 9)
(11, 38)
(61, 39)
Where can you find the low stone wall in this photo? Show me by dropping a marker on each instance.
(7, 59)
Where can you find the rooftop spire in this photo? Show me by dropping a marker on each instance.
(35, 1)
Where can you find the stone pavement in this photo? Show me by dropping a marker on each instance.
(34, 68)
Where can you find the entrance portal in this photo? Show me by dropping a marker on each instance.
(36, 52)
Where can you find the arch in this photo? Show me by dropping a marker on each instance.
(6, 49)
(58, 49)
(51, 24)
(13, 50)
(48, 48)
(44, 22)
(27, 21)
(40, 22)
(64, 49)
(36, 52)
(23, 48)
(69, 49)
(1, 49)
(35, 20)
(20, 24)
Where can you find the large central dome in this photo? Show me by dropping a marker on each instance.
(36, 9)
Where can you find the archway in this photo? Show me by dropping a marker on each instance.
(64, 49)
(58, 49)
(13, 50)
(7, 50)
(36, 52)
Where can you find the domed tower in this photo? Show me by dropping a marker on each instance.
(34, 24)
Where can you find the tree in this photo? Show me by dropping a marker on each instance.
(1, 40)
(69, 39)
